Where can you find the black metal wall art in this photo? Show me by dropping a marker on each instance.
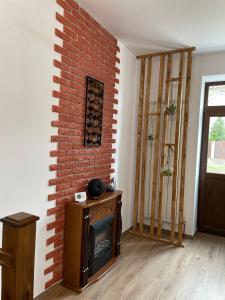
(94, 112)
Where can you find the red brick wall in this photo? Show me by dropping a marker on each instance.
(86, 49)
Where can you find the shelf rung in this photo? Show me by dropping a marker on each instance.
(165, 103)
(155, 138)
(153, 114)
(174, 79)
(168, 145)
(157, 114)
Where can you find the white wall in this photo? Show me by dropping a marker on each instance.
(126, 135)
(27, 37)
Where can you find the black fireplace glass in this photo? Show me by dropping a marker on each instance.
(101, 244)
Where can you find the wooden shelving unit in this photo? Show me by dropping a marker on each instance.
(168, 118)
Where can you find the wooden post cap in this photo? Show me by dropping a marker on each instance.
(21, 219)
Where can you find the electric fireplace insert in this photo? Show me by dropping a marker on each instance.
(101, 234)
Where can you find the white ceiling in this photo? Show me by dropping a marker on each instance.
(150, 25)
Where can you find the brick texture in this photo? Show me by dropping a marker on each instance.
(86, 48)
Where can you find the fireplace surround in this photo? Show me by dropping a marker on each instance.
(92, 239)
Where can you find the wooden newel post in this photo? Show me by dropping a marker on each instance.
(17, 256)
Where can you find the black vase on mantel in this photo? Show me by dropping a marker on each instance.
(95, 188)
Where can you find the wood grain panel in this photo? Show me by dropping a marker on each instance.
(176, 149)
(184, 148)
(163, 145)
(156, 147)
(85, 248)
(101, 211)
(139, 142)
(18, 256)
(144, 148)
(166, 52)
(72, 246)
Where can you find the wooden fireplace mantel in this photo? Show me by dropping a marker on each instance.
(79, 217)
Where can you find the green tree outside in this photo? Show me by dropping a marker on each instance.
(217, 131)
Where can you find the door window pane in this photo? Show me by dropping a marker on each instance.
(216, 95)
(216, 146)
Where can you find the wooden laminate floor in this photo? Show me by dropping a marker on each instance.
(147, 270)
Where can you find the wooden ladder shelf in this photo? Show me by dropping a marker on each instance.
(161, 146)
